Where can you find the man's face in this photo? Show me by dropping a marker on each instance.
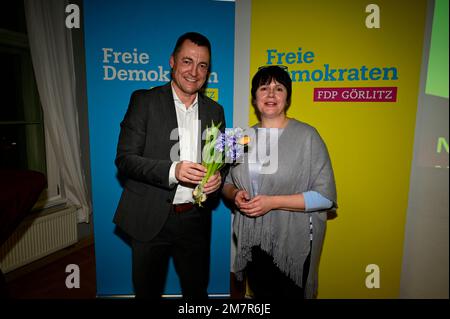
(190, 68)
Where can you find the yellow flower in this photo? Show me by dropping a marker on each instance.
(244, 140)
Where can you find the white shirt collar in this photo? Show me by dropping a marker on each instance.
(180, 104)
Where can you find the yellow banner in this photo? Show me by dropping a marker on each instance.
(358, 54)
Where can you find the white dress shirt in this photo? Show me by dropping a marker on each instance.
(188, 130)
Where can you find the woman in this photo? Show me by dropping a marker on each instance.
(280, 203)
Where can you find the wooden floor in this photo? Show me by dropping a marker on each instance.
(46, 278)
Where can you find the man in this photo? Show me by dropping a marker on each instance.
(156, 207)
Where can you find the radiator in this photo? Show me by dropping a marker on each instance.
(37, 237)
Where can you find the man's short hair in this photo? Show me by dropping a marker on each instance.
(197, 38)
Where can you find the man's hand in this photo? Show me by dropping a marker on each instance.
(189, 172)
(212, 184)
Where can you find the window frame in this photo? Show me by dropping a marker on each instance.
(54, 194)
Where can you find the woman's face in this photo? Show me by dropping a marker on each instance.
(271, 99)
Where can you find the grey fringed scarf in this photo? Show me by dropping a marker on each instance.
(303, 164)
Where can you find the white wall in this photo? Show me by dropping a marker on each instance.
(425, 256)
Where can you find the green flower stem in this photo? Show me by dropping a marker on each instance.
(211, 169)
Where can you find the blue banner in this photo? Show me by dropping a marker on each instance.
(128, 45)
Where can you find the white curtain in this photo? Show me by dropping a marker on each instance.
(52, 56)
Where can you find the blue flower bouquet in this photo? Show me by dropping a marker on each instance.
(220, 149)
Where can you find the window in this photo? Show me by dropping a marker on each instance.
(22, 136)
(22, 143)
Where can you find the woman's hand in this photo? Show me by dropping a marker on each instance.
(257, 206)
(241, 197)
